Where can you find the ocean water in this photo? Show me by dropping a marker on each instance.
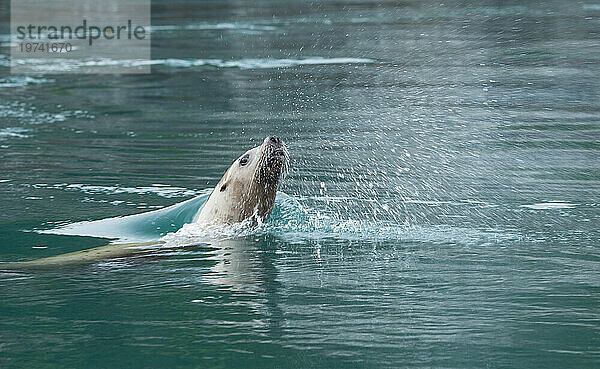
(442, 208)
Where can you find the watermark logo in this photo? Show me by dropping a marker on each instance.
(80, 36)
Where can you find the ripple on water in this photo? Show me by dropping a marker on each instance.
(28, 114)
(550, 205)
(161, 190)
(20, 81)
(13, 132)
(221, 26)
(64, 65)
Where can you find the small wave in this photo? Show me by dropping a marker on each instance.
(147, 226)
(13, 132)
(69, 65)
(28, 114)
(257, 63)
(4, 61)
(302, 20)
(550, 205)
(227, 26)
(7, 40)
(284, 63)
(270, 24)
(20, 81)
(157, 189)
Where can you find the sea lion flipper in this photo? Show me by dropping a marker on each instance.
(86, 256)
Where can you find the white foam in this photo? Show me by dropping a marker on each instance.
(284, 63)
(228, 26)
(66, 65)
(160, 190)
(550, 205)
(13, 132)
(191, 233)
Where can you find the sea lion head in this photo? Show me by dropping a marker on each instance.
(248, 188)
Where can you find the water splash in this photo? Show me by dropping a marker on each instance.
(290, 221)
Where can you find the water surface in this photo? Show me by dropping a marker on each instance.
(441, 211)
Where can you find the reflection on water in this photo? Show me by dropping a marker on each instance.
(441, 208)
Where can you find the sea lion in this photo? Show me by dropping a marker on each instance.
(248, 188)
(246, 192)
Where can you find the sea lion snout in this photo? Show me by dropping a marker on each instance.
(275, 148)
(273, 140)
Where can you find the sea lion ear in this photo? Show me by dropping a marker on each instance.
(223, 187)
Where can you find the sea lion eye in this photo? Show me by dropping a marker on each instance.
(245, 159)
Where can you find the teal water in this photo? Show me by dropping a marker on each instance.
(442, 207)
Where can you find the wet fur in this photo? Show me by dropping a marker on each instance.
(246, 193)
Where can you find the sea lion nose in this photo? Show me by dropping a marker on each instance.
(274, 140)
